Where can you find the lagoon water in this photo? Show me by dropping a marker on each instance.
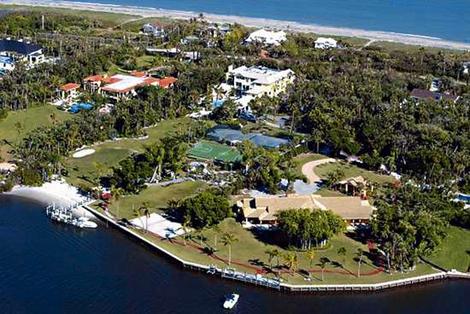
(448, 19)
(53, 268)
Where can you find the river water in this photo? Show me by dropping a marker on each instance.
(53, 268)
(449, 19)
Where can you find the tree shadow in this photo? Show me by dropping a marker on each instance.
(270, 236)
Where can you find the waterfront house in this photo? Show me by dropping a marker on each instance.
(325, 43)
(423, 94)
(267, 37)
(264, 209)
(13, 51)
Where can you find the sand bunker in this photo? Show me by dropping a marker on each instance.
(84, 152)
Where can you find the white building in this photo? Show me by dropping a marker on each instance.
(325, 43)
(154, 30)
(267, 37)
(259, 81)
(13, 51)
(466, 68)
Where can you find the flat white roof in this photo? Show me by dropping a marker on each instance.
(261, 75)
(125, 83)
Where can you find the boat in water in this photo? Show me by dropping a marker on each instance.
(65, 215)
(231, 300)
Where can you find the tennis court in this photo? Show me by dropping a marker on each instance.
(214, 151)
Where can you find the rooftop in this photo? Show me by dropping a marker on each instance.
(419, 93)
(261, 75)
(267, 207)
(69, 86)
(18, 46)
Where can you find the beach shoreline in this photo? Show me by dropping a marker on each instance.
(147, 12)
(56, 192)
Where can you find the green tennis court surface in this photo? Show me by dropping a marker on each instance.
(214, 151)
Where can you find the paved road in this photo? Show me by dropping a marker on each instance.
(309, 167)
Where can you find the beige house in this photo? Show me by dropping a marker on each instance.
(352, 186)
(264, 210)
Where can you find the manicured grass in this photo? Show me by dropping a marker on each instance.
(248, 253)
(29, 120)
(84, 171)
(155, 133)
(157, 198)
(302, 159)
(454, 251)
(352, 171)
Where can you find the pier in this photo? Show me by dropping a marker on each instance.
(259, 280)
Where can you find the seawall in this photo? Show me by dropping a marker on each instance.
(273, 284)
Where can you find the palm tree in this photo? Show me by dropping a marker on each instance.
(311, 256)
(143, 211)
(116, 193)
(227, 240)
(323, 262)
(360, 254)
(342, 252)
(272, 253)
(185, 226)
(291, 261)
(217, 231)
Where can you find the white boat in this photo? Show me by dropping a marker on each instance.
(84, 222)
(231, 300)
(65, 215)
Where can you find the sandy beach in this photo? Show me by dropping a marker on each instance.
(57, 192)
(250, 22)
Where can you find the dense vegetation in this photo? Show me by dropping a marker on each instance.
(205, 209)
(351, 100)
(304, 228)
(410, 222)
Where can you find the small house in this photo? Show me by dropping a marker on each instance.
(325, 43)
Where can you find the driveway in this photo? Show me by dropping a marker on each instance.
(308, 169)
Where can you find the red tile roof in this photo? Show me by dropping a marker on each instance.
(138, 74)
(110, 80)
(93, 78)
(167, 81)
(69, 86)
(151, 80)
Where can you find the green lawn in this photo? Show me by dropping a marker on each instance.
(157, 197)
(454, 251)
(302, 159)
(29, 120)
(83, 171)
(352, 171)
(248, 250)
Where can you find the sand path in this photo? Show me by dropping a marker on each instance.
(308, 169)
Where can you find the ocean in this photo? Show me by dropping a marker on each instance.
(46, 267)
(448, 19)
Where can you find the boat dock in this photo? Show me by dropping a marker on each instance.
(270, 283)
